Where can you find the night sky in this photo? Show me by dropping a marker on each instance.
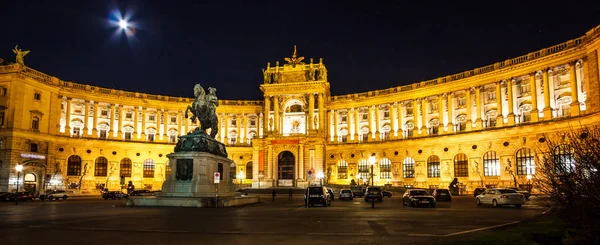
(225, 44)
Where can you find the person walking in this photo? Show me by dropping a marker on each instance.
(291, 194)
(273, 194)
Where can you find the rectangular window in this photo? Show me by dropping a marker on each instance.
(150, 137)
(433, 106)
(35, 124)
(127, 135)
(253, 122)
(102, 133)
(344, 118)
(76, 131)
(462, 101)
(37, 96)
(3, 92)
(104, 113)
(233, 122)
(409, 111)
(148, 169)
(1, 119)
(151, 118)
(33, 147)
(365, 116)
(128, 115)
(386, 175)
(172, 138)
(386, 114)
(173, 119)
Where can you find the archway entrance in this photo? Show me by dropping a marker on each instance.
(285, 162)
(29, 183)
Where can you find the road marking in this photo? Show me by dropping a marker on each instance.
(339, 234)
(467, 231)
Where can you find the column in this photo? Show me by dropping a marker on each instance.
(511, 115)
(166, 120)
(478, 121)
(424, 122)
(377, 123)
(136, 120)
(393, 120)
(120, 124)
(311, 111)
(400, 120)
(451, 112)
(441, 113)
(356, 124)
(499, 105)
(111, 124)
(322, 126)
(535, 113)
(416, 115)
(68, 117)
(95, 119)
(301, 161)
(245, 122)
(469, 113)
(179, 123)
(335, 125)
(143, 123)
(269, 161)
(86, 118)
(574, 91)
(276, 114)
(370, 111)
(329, 134)
(266, 127)
(238, 122)
(547, 108)
(226, 123)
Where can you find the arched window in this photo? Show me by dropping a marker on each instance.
(525, 162)
(168, 168)
(410, 126)
(342, 169)
(564, 159)
(363, 169)
(461, 165)
(385, 168)
(250, 136)
(29, 178)
(249, 170)
(173, 135)
(100, 166)
(491, 164)
(149, 168)
(434, 125)
(408, 167)
(232, 171)
(125, 167)
(150, 134)
(461, 123)
(433, 167)
(74, 166)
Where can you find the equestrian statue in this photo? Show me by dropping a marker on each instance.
(204, 109)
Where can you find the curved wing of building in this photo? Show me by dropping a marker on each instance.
(481, 126)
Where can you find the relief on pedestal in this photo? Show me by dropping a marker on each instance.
(185, 169)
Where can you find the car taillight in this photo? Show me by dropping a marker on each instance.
(503, 196)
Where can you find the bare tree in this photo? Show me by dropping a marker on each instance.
(569, 175)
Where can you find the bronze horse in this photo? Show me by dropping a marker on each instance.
(203, 108)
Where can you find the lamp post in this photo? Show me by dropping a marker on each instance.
(372, 162)
(240, 178)
(19, 167)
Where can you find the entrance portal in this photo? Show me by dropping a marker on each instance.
(29, 183)
(286, 163)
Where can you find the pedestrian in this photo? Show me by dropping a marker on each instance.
(273, 194)
(291, 194)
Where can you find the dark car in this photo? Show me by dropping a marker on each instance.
(478, 191)
(418, 197)
(317, 195)
(114, 195)
(142, 193)
(442, 195)
(22, 196)
(373, 193)
(386, 193)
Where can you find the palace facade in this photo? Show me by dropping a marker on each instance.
(482, 126)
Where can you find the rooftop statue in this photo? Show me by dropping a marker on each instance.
(203, 108)
(20, 55)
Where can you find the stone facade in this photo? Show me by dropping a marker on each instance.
(482, 126)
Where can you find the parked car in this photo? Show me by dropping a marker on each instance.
(442, 194)
(317, 195)
(525, 193)
(418, 197)
(141, 193)
(56, 194)
(357, 190)
(373, 193)
(346, 194)
(500, 196)
(22, 196)
(114, 195)
(478, 191)
(386, 193)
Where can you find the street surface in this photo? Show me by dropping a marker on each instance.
(91, 220)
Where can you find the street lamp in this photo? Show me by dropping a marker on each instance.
(19, 167)
(320, 176)
(529, 182)
(372, 162)
(241, 177)
(260, 177)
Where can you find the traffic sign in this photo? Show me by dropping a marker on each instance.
(217, 177)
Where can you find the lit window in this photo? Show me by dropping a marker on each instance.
(104, 113)
(151, 118)
(149, 168)
(128, 115)
(35, 123)
(491, 164)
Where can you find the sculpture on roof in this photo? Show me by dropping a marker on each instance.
(294, 60)
(20, 55)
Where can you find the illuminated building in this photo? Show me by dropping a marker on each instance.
(482, 126)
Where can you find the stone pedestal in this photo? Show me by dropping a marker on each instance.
(192, 175)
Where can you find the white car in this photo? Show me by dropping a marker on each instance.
(500, 196)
